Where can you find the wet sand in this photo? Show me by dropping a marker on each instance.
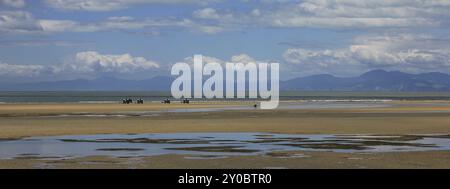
(25, 120)
(35, 120)
(305, 160)
(17, 110)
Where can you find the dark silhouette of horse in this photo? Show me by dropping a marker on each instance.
(127, 101)
(166, 101)
(140, 101)
(185, 101)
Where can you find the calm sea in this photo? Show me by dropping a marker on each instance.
(117, 96)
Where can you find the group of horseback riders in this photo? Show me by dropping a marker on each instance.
(141, 101)
(130, 101)
(167, 101)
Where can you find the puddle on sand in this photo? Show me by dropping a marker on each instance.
(213, 145)
(230, 149)
(120, 149)
(205, 157)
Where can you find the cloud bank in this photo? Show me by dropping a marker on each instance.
(110, 5)
(406, 52)
(84, 63)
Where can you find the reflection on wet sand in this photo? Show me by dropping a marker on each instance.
(230, 149)
(206, 145)
(300, 105)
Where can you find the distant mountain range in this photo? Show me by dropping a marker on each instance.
(376, 80)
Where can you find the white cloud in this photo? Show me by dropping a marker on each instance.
(401, 52)
(13, 3)
(108, 5)
(111, 23)
(21, 22)
(242, 58)
(206, 13)
(24, 22)
(20, 70)
(57, 25)
(219, 15)
(94, 62)
(213, 21)
(206, 59)
(18, 22)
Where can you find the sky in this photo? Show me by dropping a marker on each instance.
(138, 39)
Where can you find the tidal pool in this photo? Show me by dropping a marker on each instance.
(212, 144)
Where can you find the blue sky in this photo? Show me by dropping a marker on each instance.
(67, 39)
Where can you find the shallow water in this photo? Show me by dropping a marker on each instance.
(333, 104)
(212, 145)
